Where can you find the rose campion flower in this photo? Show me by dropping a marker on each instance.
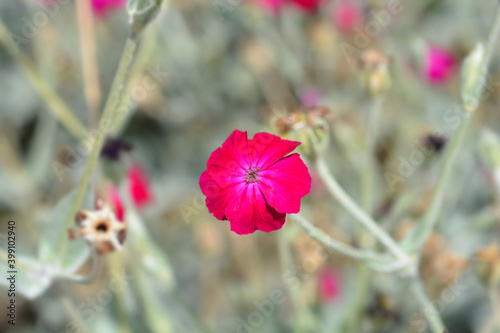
(102, 7)
(439, 65)
(255, 183)
(140, 190)
(310, 97)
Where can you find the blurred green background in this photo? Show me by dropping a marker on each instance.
(203, 69)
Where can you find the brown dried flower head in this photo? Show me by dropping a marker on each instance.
(488, 264)
(307, 125)
(375, 72)
(100, 228)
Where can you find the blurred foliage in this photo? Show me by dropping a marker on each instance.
(199, 74)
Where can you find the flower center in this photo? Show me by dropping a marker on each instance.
(252, 175)
(102, 227)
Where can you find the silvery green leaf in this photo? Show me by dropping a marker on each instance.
(54, 233)
(489, 149)
(32, 278)
(152, 258)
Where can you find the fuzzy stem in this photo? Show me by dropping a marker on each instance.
(348, 203)
(353, 320)
(89, 60)
(367, 173)
(56, 105)
(419, 235)
(108, 120)
(426, 306)
(422, 231)
(97, 265)
(492, 39)
(329, 242)
(302, 314)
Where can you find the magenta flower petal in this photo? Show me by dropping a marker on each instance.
(249, 211)
(116, 200)
(285, 183)
(265, 149)
(254, 183)
(233, 153)
(221, 185)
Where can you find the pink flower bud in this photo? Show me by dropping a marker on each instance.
(439, 65)
(329, 284)
(116, 201)
(102, 7)
(139, 187)
(346, 16)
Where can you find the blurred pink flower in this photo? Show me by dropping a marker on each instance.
(102, 7)
(139, 187)
(329, 284)
(273, 5)
(439, 65)
(347, 15)
(309, 97)
(307, 5)
(114, 197)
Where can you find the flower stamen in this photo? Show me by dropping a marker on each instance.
(252, 175)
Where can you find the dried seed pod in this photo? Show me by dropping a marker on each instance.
(488, 264)
(307, 125)
(100, 228)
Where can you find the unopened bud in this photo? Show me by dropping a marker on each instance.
(473, 78)
(489, 149)
(488, 264)
(375, 72)
(141, 13)
(307, 126)
(489, 152)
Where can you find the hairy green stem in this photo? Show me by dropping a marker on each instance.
(426, 306)
(329, 242)
(367, 172)
(97, 265)
(419, 235)
(348, 203)
(56, 105)
(107, 122)
(422, 231)
(354, 319)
